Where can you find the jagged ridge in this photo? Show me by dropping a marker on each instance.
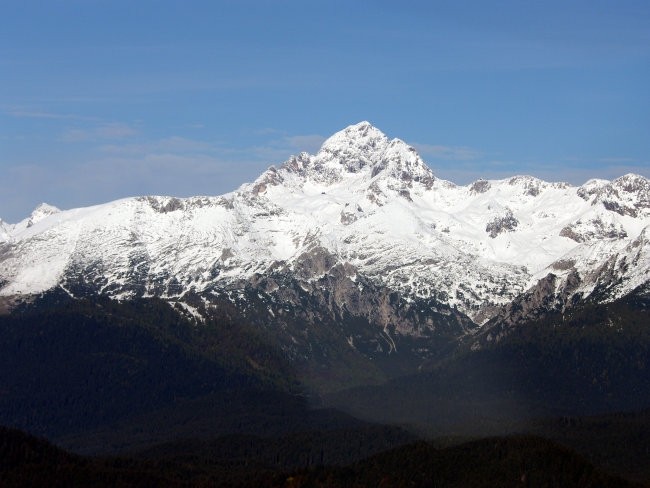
(374, 207)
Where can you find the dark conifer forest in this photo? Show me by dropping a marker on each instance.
(133, 393)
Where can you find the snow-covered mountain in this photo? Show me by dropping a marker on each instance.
(365, 209)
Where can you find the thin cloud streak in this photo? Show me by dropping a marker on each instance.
(464, 173)
(454, 153)
(174, 144)
(104, 131)
(308, 143)
(49, 115)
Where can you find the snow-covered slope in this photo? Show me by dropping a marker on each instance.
(372, 204)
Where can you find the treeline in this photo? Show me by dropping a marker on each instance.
(504, 462)
(618, 443)
(71, 365)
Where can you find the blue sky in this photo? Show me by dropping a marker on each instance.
(106, 99)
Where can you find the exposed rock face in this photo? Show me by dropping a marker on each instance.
(550, 294)
(351, 213)
(593, 229)
(480, 186)
(532, 186)
(567, 286)
(319, 297)
(591, 188)
(504, 223)
(627, 268)
(42, 211)
(627, 195)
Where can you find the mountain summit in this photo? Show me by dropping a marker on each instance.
(364, 213)
(356, 156)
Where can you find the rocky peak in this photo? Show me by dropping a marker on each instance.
(627, 195)
(632, 183)
(479, 186)
(402, 162)
(362, 139)
(591, 187)
(40, 212)
(529, 184)
(358, 150)
(4, 234)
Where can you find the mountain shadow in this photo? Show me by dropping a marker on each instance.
(74, 365)
(517, 461)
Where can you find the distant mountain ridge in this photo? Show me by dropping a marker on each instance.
(362, 231)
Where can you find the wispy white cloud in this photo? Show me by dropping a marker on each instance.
(152, 171)
(37, 114)
(617, 160)
(277, 149)
(310, 143)
(173, 144)
(174, 165)
(110, 176)
(267, 130)
(113, 130)
(464, 172)
(455, 153)
(94, 129)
